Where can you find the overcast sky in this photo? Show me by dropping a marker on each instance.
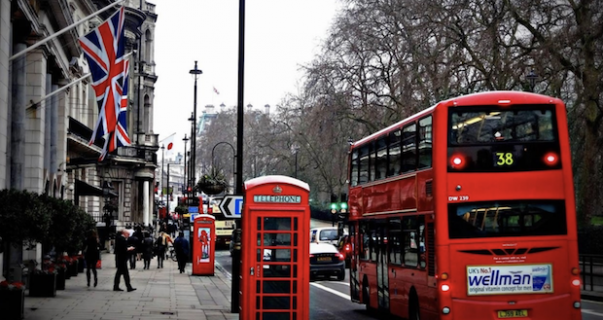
(280, 35)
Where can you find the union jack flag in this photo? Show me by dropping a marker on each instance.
(104, 48)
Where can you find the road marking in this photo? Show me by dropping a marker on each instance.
(335, 292)
(592, 312)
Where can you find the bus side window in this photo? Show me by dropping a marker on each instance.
(364, 249)
(394, 153)
(374, 244)
(409, 148)
(422, 257)
(363, 170)
(425, 140)
(381, 158)
(411, 253)
(395, 241)
(355, 164)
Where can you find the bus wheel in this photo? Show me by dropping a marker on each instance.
(413, 308)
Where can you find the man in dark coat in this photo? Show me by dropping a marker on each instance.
(121, 260)
(181, 247)
(133, 241)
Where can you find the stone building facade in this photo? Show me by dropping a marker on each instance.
(48, 110)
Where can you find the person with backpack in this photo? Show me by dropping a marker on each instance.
(161, 243)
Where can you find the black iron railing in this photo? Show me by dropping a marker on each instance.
(591, 270)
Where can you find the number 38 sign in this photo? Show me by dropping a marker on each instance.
(503, 159)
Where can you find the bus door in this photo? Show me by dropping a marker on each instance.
(354, 283)
(382, 268)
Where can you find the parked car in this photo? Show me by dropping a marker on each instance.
(326, 261)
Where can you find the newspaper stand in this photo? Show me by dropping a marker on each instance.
(204, 234)
(275, 276)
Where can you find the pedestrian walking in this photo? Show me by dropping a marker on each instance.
(133, 241)
(181, 246)
(147, 250)
(162, 243)
(140, 236)
(91, 255)
(121, 260)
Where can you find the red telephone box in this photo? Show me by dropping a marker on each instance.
(204, 234)
(275, 270)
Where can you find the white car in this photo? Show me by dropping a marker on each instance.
(326, 261)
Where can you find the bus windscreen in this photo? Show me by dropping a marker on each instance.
(494, 139)
(506, 219)
(501, 125)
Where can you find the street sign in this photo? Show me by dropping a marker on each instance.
(231, 206)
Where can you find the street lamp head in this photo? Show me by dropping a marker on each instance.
(192, 118)
(185, 139)
(195, 71)
(162, 147)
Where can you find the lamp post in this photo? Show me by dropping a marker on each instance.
(184, 182)
(234, 172)
(295, 151)
(162, 162)
(195, 72)
(191, 183)
(532, 76)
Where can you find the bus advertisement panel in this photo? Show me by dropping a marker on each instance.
(466, 210)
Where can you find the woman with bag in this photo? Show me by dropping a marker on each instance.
(92, 256)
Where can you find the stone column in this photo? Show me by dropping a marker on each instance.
(146, 215)
(35, 118)
(17, 121)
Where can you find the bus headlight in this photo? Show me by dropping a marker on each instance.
(445, 310)
(445, 288)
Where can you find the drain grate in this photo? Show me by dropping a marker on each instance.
(165, 313)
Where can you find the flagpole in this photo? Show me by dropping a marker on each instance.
(60, 89)
(51, 37)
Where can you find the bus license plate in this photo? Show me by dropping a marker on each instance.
(512, 313)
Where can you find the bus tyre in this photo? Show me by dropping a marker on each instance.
(413, 308)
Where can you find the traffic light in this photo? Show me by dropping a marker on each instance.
(333, 207)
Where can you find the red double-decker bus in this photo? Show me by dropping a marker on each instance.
(466, 211)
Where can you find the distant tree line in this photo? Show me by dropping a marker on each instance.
(384, 60)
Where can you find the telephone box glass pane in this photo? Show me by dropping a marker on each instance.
(277, 303)
(280, 271)
(277, 286)
(281, 255)
(258, 286)
(259, 223)
(277, 239)
(294, 224)
(275, 316)
(294, 255)
(295, 239)
(277, 223)
(294, 286)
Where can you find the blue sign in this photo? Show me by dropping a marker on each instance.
(192, 210)
(238, 206)
(193, 215)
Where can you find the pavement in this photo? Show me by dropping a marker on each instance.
(161, 294)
